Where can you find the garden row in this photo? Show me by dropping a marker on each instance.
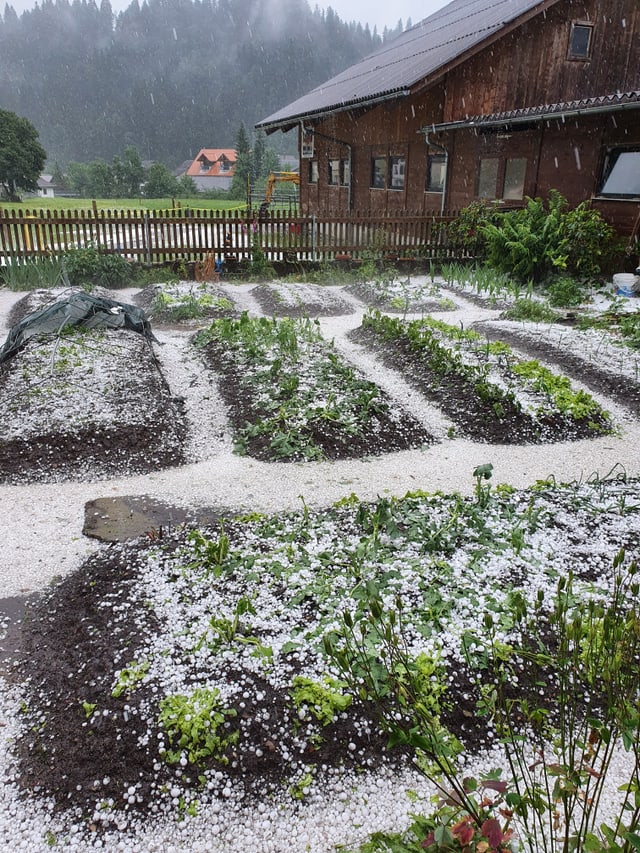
(273, 654)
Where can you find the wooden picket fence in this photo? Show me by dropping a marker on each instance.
(161, 236)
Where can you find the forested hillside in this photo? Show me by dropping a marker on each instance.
(168, 76)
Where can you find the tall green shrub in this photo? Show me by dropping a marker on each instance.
(533, 243)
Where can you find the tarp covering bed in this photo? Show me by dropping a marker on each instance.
(78, 309)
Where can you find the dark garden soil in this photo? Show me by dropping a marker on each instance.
(622, 390)
(388, 431)
(475, 418)
(73, 635)
(273, 303)
(77, 447)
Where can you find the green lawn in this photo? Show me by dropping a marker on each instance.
(36, 203)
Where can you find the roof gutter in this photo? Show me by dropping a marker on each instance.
(533, 118)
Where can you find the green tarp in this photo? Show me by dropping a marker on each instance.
(78, 309)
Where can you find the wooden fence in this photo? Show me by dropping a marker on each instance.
(160, 236)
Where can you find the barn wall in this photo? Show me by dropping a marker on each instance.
(525, 68)
(530, 65)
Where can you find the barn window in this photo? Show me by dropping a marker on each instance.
(514, 172)
(488, 177)
(313, 171)
(345, 173)
(621, 173)
(379, 173)
(334, 172)
(580, 41)
(396, 173)
(436, 170)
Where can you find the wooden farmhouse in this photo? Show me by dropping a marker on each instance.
(484, 99)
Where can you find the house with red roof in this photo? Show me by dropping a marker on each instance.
(213, 168)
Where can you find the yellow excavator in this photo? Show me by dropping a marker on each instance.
(273, 179)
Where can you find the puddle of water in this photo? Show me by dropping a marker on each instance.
(12, 614)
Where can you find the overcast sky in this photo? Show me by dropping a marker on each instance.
(381, 13)
(376, 13)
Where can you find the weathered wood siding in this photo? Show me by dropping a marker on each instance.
(530, 66)
(523, 68)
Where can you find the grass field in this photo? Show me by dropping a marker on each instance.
(36, 203)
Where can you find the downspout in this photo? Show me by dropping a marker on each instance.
(437, 145)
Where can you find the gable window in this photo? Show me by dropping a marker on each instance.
(379, 173)
(621, 173)
(313, 171)
(396, 173)
(436, 170)
(488, 177)
(580, 41)
(334, 173)
(514, 174)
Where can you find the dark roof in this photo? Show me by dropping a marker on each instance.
(527, 115)
(419, 52)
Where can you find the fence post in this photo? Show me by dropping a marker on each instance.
(314, 238)
(147, 237)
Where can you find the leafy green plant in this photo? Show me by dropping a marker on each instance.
(32, 275)
(90, 267)
(578, 405)
(466, 234)
(543, 239)
(565, 292)
(323, 699)
(531, 310)
(128, 678)
(197, 726)
(586, 651)
(407, 691)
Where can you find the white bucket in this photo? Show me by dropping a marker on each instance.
(625, 283)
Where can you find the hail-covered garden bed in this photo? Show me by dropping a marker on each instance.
(490, 391)
(211, 666)
(292, 397)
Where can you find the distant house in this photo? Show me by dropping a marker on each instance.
(213, 168)
(46, 187)
(484, 99)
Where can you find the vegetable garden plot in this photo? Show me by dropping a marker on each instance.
(292, 398)
(223, 684)
(185, 302)
(599, 358)
(396, 294)
(491, 393)
(278, 299)
(86, 399)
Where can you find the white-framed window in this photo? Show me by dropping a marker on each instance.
(621, 173)
(333, 177)
(313, 171)
(580, 39)
(396, 173)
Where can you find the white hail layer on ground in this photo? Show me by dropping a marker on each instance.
(42, 538)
